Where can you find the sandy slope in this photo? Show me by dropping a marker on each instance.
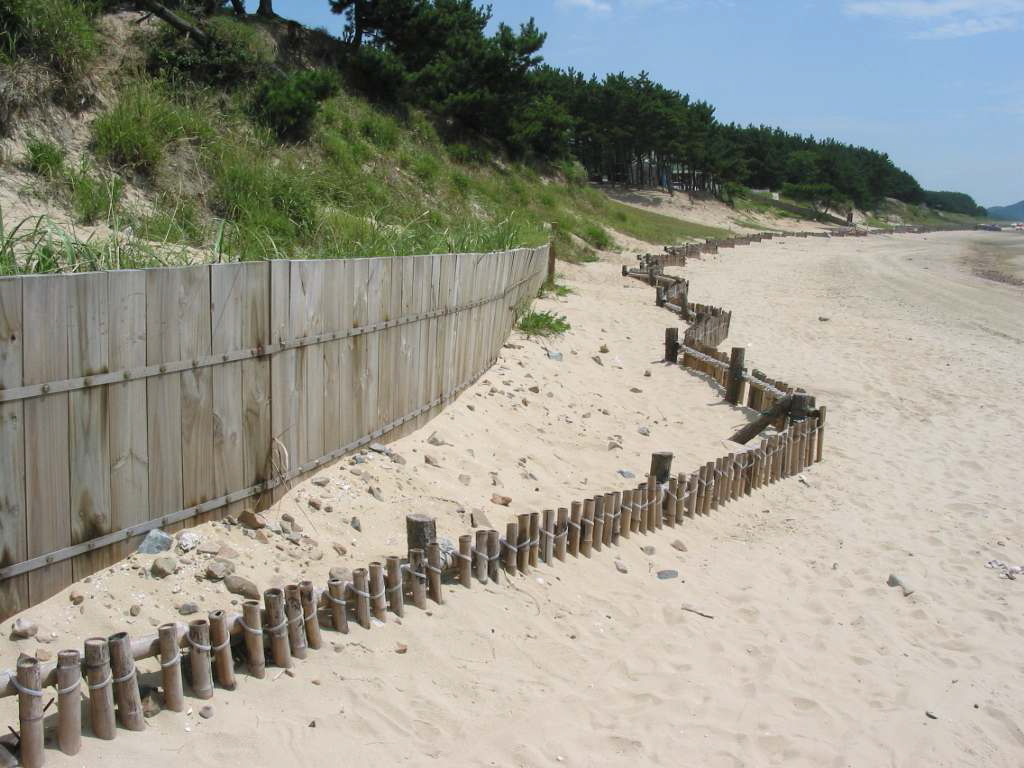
(809, 660)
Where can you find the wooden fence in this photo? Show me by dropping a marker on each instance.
(141, 399)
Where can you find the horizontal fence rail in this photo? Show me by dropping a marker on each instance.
(138, 399)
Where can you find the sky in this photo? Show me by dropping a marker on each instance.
(937, 84)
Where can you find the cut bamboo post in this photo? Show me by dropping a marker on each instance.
(710, 482)
(654, 516)
(220, 640)
(418, 577)
(126, 683)
(480, 556)
(361, 589)
(466, 560)
(510, 552)
(626, 513)
(296, 628)
(199, 659)
(670, 506)
(523, 544)
(101, 689)
(30, 712)
(719, 479)
(561, 533)
(640, 509)
(378, 594)
(493, 554)
(277, 627)
(693, 494)
(337, 597)
(597, 532)
(575, 528)
(396, 587)
(310, 618)
(534, 539)
(611, 517)
(69, 701)
(252, 627)
(821, 433)
(547, 536)
(587, 529)
(702, 490)
(434, 572)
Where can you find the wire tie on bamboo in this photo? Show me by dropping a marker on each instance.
(96, 686)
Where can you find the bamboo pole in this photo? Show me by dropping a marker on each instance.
(310, 618)
(30, 712)
(534, 539)
(693, 489)
(509, 555)
(575, 528)
(199, 658)
(597, 532)
(587, 528)
(821, 432)
(611, 518)
(654, 516)
(220, 639)
(296, 629)
(709, 487)
(670, 507)
(69, 701)
(378, 595)
(418, 575)
(338, 599)
(170, 668)
(466, 560)
(126, 683)
(480, 556)
(101, 690)
(626, 513)
(360, 586)
(640, 508)
(396, 587)
(277, 626)
(434, 572)
(493, 554)
(561, 533)
(547, 548)
(254, 638)
(523, 543)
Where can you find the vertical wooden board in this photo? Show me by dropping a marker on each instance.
(454, 323)
(163, 393)
(228, 302)
(89, 445)
(347, 395)
(284, 408)
(307, 279)
(126, 406)
(375, 284)
(427, 347)
(332, 354)
(389, 341)
(404, 370)
(13, 522)
(256, 334)
(358, 361)
(195, 318)
(47, 472)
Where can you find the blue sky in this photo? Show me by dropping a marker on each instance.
(938, 84)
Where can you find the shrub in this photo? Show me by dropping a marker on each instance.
(57, 32)
(534, 323)
(288, 104)
(380, 130)
(94, 198)
(240, 54)
(378, 74)
(45, 158)
(597, 236)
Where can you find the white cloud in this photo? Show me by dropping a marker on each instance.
(593, 6)
(946, 18)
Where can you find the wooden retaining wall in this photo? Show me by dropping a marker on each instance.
(162, 398)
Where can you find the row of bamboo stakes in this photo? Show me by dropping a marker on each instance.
(289, 622)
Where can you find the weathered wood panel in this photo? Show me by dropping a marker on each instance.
(13, 525)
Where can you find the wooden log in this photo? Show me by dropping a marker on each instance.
(756, 427)
(199, 659)
(534, 539)
(661, 466)
(597, 535)
(820, 446)
(30, 712)
(253, 638)
(361, 590)
(587, 528)
(378, 593)
(101, 689)
(575, 528)
(220, 640)
(396, 586)
(465, 559)
(418, 577)
(277, 627)
(296, 628)
(561, 533)
(671, 345)
(480, 556)
(310, 617)
(523, 543)
(626, 513)
(493, 554)
(126, 683)
(434, 572)
(69, 701)
(420, 530)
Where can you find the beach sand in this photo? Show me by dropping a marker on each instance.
(809, 659)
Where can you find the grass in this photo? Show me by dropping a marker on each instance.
(554, 288)
(545, 324)
(59, 33)
(44, 158)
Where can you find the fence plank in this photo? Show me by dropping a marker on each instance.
(89, 446)
(126, 406)
(377, 269)
(13, 522)
(256, 417)
(284, 406)
(227, 295)
(47, 490)
(306, 305)
(197, 472)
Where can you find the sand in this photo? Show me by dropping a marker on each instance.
(810, 658)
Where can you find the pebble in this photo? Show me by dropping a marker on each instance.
(647, 549)
(314, 504)
(379, 448)
(597, 359)
(321, 482)
(621, 566)
(135, 610)
(187, 609)
(667, 574)
(356, 524)
(625, 472)
(340, 548)
(501, 500)
(206, 712)
(645, 431)
(251, 519)
(465, 479)
(150, 705)
(553, 355)
(437, 439)
(376, 492)
(209, 547)
(156, 541)
(238, 585)
(895, 581)
(430, 460)
(647, 373)
(604, 349)
(76, 597)
(163, 566)
(677, 544)
(42, 654)
(478, 519)
(188, 540)
(219, 569)
(401, 647)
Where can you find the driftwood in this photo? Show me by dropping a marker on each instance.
(176, 22)
(755, 428)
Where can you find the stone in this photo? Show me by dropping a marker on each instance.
(597, 359)
(135, 610)
(227, 551)
(647, 549)
(321, 482)
(187, 609)
(219, 569)
(430, 461)
(626, 473)
(620, 566)
(636, 390)
(238, 585)
(397, 459)
(465, 479)
(156, 541)
(502, 501)
(553, 355)
(896, 581)
(76, 597)
(356, 524)
(150, 705)
(340, 573)
(604, 349)
(163, 566)
(316, 554)
(188, 540)
(645, 431)
(286, 527)
(678, 545)
(206, 711)
(379, 448)
(340, 548)
(261, 536)
(251, 519)
(401, 648)
(437, 439)
(43, 654)
(478, 519)
(376, 492)
(647, 373)
(535, 389)
(314, 503)
(293, 537)
(209, 547)
(822, 319)
(667, 574)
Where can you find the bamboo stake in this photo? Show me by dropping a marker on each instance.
(575, 528)
(360, 586)
(30, 712)
(640, 508)
(418, 574)
(561, 533)
(611, 518)
(493, 554)
(673, 491)
(296, 630)
(126, 683)
(396, 597)
(523, 543)
(254, 638)
(821, 432)
(170, 668)
(378, 594)
(101, 691)
(480, 557)
(220, 639)
(466, 560)
(434, 572)
(534, 539)
(709, 488)
(277, 626)
(69, 701)
(307, 597)
(547, 548)
(702, 490)
(654, 516)
(199, 659)
(587, 529)
(336, 589)
(693, 489)
(597, 532)
(626, 513)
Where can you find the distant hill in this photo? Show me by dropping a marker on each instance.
(1013, 212)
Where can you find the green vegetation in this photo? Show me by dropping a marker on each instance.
(58, 33)
(954, 202)
(288, 103)
(44, 158)
(545, 324)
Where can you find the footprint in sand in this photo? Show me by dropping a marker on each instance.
(804, 705)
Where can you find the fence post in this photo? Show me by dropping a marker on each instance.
(551, 254)
(734, 393)
(671, 345)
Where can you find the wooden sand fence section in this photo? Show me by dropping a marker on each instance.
(161, 398)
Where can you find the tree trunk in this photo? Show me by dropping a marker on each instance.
(238, 6)
(266, 9)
